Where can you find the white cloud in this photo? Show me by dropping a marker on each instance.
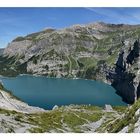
(119, 15)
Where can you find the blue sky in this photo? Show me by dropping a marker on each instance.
(22, 21)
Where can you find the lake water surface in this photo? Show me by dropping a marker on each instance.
(47, 92)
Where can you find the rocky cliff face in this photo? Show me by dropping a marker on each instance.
(99, 51)
(125, 77)
(1, 51)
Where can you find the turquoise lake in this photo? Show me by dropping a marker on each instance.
(47, 92)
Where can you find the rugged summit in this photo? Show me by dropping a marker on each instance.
(100, 51)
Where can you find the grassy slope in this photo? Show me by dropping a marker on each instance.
(57, 120)
(129, 119)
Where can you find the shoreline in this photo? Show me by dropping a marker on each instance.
(61, 78)
(74, 78)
